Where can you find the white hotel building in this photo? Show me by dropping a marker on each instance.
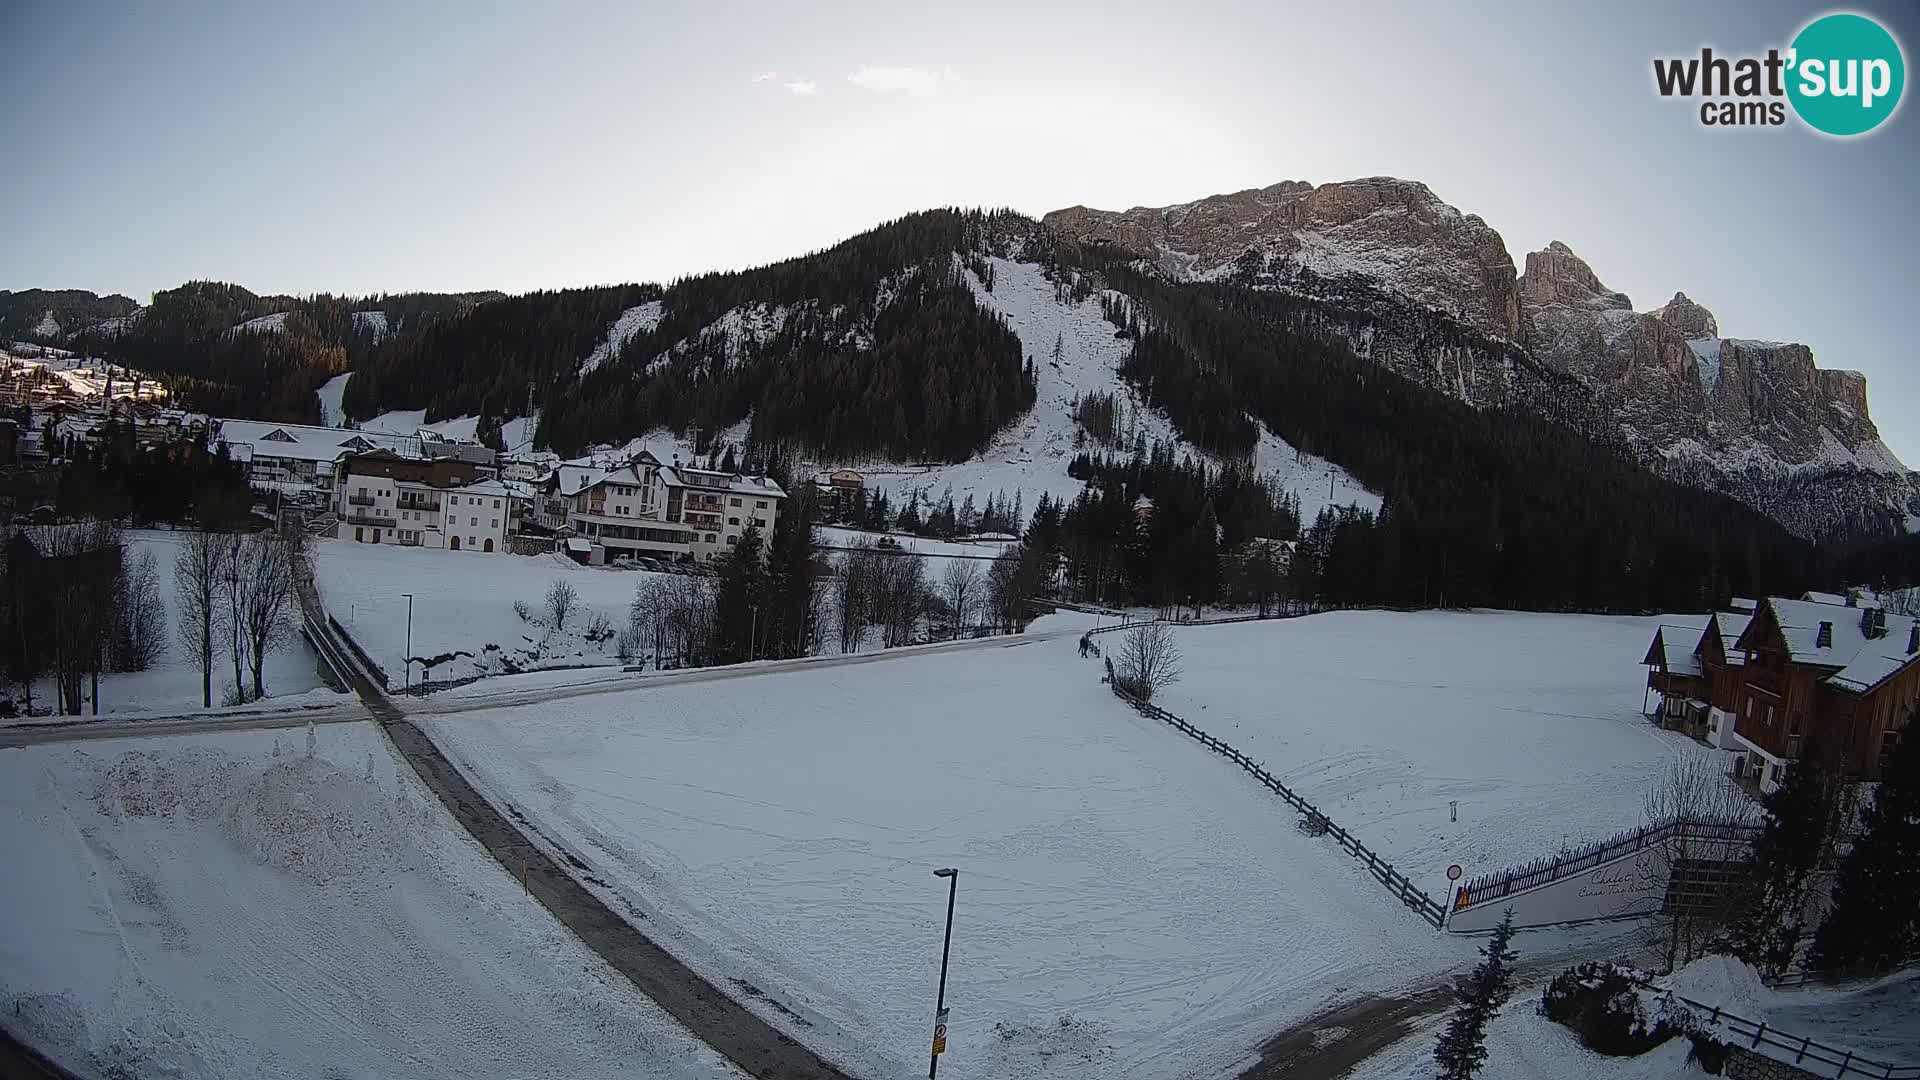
(650, 510)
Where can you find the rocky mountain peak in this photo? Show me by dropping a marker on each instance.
(1688, 319)
(1396, 232)
(1555, 275)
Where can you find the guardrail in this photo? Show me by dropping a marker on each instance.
(1396, 883)
(360, 654)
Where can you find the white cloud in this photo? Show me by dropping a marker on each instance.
(803, 87)
(766, 75)
(889, 79)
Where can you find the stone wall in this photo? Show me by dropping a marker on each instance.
(1744, 1064)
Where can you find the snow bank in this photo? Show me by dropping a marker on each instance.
(254, 904)
(330, 393)
(1128, 906)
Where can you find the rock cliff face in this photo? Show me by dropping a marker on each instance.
(1394, 231)
(1756, 419)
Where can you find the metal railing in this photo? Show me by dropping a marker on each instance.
(376, 520)
(360, 500)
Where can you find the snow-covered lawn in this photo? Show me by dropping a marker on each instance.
(173, 684)
(236, 906)
(1128, 905)
(1530, 722)
(463, 603)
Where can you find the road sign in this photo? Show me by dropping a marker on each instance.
(1453, 872)
(940, 1033)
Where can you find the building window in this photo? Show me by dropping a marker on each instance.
(473, 521)
(759, 523)
(731, 539)
(733, 521)
(710, 538)
(359, 534)
(496, 504)
(496, 523)
(759, 504)
(734, 502)
(1769, 716)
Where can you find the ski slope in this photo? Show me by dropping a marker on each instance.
(256, 904)
(1530, 722)
(1127, 906)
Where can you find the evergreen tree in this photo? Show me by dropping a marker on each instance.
(1462, 1048)
(791, 571)
(1797, 835)
(737, 608)
(1874, 924)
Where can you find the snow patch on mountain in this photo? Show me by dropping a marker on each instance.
(265, 324)
(371, 322)
(640, 319)
(731, 335)
(118, 324)
(1707, 352)
(48, 326)
(330, 393)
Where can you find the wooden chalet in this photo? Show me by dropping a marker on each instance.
(1767, 681)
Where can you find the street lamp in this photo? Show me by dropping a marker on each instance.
(406, 679)
(940, 1006)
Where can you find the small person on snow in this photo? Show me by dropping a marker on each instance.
(1086, 643)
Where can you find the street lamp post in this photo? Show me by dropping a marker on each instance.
(940, 1006)
(407, 678)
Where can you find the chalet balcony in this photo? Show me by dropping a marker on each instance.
(379, 521)
(360, 500)
(432, 506)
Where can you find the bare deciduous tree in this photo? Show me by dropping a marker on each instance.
(1701, 802)
(854, 586)
(960, 587)
(562, 600)
(1148, 660)
(900, 597)
(263, 595)
(140, 636)
(198, 570)
(78, 574)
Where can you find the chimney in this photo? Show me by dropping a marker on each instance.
(1853, 598)
(1873, 623)
(1913, 638)
(1824, 639)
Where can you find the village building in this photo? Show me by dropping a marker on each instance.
(1766, 682)
(643, 509)
(444, 503)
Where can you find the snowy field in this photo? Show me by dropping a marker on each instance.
(1531, 722)
(463, 604)
(1128, 905)
(240, 906)
(173, 684)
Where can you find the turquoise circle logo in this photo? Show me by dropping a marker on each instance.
(1847, 74)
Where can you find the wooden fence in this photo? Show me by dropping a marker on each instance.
(1396, 883)
(1806, 1052)
(1500, 884)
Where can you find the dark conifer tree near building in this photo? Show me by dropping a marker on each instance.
(738, 606)
(1462, 1048)
(1768, 930)
(1874, 924)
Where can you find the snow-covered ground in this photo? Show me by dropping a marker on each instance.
(240, 905)
(84, 376)
(1531, 722)
(640, 319)
(1128, 906)
(330, 392)
(173, 684)
(463, 603)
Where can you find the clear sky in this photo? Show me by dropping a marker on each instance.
(356, 148)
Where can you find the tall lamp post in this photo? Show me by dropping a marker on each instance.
(407, 678)
(940, 1006)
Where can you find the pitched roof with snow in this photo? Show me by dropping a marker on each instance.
(706, 479)
(1677, 649)
(1861, 662)
(310, 443)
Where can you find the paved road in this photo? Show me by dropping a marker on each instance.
(716, 1019)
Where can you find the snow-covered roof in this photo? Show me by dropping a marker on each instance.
(1862, 662)
(306, 442)
(1676, 645)
(1741, 603)
(579, 543)
(1732, 624)
(705, 479)
(482, 487)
